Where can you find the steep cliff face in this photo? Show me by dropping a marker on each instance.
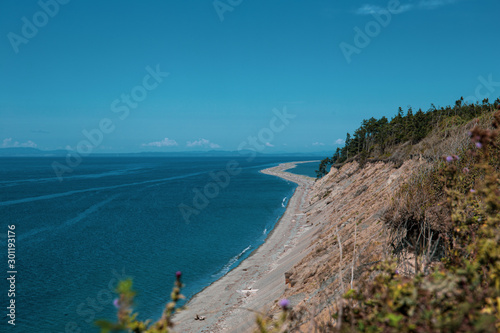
(348, 204)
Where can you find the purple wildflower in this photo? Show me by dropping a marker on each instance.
(284, 303)
(116, 303)
(472, 190)
(479, 145)
(397, 272)
(449, 158)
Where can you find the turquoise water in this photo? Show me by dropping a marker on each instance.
(306, 169)
(119, 217)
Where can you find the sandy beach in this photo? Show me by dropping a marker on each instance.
(230, 304)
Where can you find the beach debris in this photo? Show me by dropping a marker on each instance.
(247, 292)
(288, 279)
(197, 317)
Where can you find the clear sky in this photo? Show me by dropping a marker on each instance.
(100, 66)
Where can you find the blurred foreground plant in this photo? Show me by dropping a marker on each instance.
(279, 325)
(127, 319)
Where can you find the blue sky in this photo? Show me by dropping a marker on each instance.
(232, 66)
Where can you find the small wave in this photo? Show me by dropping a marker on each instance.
(283, 203)
(265, 231)
(88, 211)
(10, 183)
(70, 222)
(231, 262)
(33, 232)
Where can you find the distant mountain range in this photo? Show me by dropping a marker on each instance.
(33, 152)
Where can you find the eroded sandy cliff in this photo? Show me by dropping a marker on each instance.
(347, 204)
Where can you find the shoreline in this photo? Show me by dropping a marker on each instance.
(230, 303)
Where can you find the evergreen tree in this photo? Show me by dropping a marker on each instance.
(376, 136)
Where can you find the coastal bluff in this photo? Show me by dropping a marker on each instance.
(301, 259)
(346, 210)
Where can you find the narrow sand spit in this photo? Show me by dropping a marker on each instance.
(230, 304)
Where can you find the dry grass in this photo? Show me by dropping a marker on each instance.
(419, 217)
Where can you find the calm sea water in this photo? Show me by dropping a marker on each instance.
(119, 217)
(307, 169)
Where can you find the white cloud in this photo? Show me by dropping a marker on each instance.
(163, 143)
(369, 9)
(268, 144)
(318, 144)
(404, 8)
(202, 143)
(339, 142)
(8, 143)
(431, 4)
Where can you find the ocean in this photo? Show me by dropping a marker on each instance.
(118, 217)
(306, 169)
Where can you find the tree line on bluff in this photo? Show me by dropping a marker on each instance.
(376, 137)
